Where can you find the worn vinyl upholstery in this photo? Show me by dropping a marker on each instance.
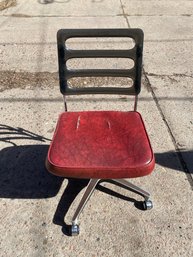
(100, 144)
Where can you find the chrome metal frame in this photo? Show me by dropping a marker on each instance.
(90, 189)
(65, 103)
(135, 103)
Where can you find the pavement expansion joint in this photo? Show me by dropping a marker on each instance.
(169, 75)
(175, 143)
(124, 14)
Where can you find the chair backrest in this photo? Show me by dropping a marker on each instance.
(64, 54)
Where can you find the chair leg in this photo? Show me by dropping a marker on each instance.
(147, 204)
(89, 190)
(133, 188)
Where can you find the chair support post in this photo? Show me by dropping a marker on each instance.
(147, 204)
(135, 104)
(65, 104)
(133, 188)
(89, 190)
(91, 186)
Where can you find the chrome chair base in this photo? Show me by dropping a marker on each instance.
(147, 204)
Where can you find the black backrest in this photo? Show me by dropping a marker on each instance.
(64, 54)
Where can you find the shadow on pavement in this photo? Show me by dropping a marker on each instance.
(23, 173)
(9, 134)
(168, 159)
(71, 192)
(171, 160)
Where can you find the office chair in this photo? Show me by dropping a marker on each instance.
(100, 145)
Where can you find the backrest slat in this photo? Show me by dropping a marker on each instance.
(100, 53)
(100, 73)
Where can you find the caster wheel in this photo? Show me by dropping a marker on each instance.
(147, 205)
(75, 230)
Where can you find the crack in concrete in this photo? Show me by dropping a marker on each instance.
(159, 15)
(124, 14)
(176, 40)
(175, 143)
(20, 15)
(182, 75)
(6, 4)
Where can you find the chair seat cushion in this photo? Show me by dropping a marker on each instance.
(100, 144)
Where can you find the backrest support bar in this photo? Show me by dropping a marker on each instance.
(64, 54)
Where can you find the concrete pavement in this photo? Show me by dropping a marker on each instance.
(34, 203)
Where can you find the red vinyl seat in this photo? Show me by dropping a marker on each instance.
(100, 145)
(103, 144)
